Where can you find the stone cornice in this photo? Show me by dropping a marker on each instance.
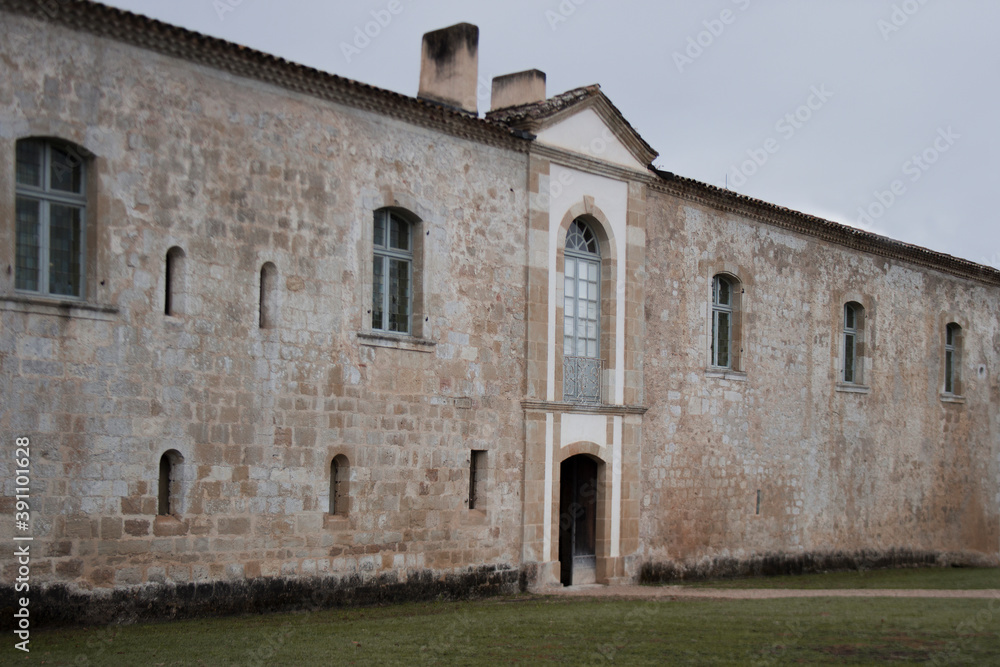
(146, 33)
(825, 230)
(608, 113)
(582, 408)
(588, 164)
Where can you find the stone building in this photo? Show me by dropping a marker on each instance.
(298, 339)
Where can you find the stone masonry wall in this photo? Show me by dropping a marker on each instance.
(893, 470)
(238, 173)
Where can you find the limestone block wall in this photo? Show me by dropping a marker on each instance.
(237, 173)
(896, 467)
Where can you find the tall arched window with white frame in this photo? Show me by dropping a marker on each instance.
(582, 364)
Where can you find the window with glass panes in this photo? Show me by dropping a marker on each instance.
(722, 322)
(581, 314)
(951, 358)
(851, 320)
(392, 273)
(51, 208)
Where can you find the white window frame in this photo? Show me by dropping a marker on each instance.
(383, 254)
(718, 309)
(849, 340)
(952, 357)
(580, 365)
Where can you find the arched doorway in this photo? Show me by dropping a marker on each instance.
(578, 520)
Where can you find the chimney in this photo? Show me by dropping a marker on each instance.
(511, 90)
(449, 67)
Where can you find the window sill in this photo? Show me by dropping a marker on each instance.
(952, 398)
(336, 521)
(169, 525)
(39, 305)
(726, 374)
(583, 408)
(395, 341)
(850, 388)
(475, 517)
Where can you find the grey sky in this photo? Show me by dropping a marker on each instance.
(888, 80)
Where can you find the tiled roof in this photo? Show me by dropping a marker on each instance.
(827, 230)
(503, 127)
(147, 33)
(542, 110)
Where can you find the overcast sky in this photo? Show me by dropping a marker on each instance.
(881, 107)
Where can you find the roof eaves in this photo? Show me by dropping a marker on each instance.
(144, 32)
(827, 230)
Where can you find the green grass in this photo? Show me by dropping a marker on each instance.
(532, 630)
(928, 577)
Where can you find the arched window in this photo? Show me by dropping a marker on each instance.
(725, 352)
(953, 359)
(854, 319)
(51, 215)
(168, 488)
(173, 302)
(268, 295)
(392, 273)
(582, 315)
(339, 479)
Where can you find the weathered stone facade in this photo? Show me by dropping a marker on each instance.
(224, 330)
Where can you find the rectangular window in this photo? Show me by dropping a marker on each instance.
(392, 274)
(849, 357)
(721, 330)
(852, 336)
(29, 243)
(951, 358)
(949, 384)
(50, 218)
(724, 316)
(477, 479)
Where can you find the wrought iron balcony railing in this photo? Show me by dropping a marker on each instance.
(582, 379)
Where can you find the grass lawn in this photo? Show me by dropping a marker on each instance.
(532, 630)
(925, 577)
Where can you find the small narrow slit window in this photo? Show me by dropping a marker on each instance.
(268, 295)
(168, 484)
(339, 480)
(477, 479)
(173, 302)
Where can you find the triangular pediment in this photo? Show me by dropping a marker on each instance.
(586, 132)
(582, 121)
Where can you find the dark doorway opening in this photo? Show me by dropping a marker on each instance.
(578, 520)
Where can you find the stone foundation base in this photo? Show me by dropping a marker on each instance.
(807, 563)
(59, 604)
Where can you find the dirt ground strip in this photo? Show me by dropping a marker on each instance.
(672, 592)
